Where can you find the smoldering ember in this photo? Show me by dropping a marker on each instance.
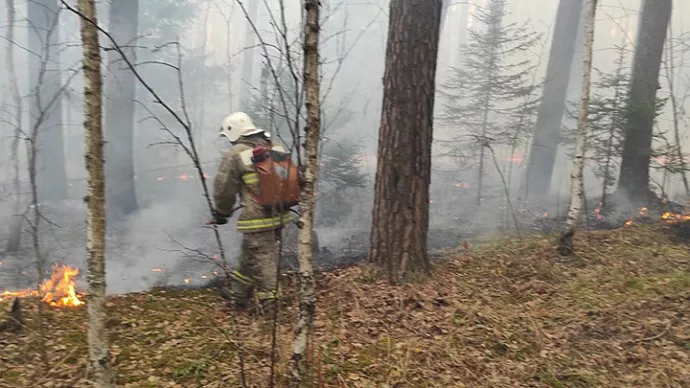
(402, 193)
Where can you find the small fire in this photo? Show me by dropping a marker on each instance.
(546, 214)
(628, 223)
(6, 295)
(597, 211)
(672, 218)
(57, 291)
(643, 211)
(462, 185)
(157, 269)
(186, 281)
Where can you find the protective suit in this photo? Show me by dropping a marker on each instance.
(257, 271)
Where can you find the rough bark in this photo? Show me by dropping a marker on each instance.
(633, 180)
(120, 87)
(401, 206)
(577, 188)
(14, 238)
(312, 87)
(547, 129)
(45, 110)
(97, 336)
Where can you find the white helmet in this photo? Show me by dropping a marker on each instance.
(236, 125)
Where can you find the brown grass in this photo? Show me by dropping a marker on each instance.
(510, 314)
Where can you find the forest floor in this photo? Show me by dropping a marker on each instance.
(508, 313)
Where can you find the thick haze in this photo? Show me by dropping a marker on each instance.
(353, 50)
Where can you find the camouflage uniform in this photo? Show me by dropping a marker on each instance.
(261, 229)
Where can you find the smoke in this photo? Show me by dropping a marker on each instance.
(153, 246)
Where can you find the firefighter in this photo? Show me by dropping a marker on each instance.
(257, 270)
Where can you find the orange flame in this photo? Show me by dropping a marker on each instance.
(673, 218)
(57, 291)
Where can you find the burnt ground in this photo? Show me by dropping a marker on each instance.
(510, 313)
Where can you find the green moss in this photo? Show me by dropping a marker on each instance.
(196, 370)
(634, 284)
(680, 281)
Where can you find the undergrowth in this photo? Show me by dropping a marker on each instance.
(511, 313)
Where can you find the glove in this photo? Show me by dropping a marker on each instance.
(218, 219)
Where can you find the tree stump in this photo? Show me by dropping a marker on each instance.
(14, 322)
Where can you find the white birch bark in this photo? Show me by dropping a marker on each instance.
(577, 189)
(307, 302)
(99, 353)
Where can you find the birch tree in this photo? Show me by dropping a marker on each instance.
(93, 137)
(577, 187)
(307, 301)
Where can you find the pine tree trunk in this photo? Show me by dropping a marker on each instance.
(97, 336)
(615, 124)
(401, 206)
(675, 109)
(45, 110)
(633, 181)
(577, 188)
(248, 55)
(548, 126)
(120, 89)
(307, 301)
(14, 238)
(464, 31)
